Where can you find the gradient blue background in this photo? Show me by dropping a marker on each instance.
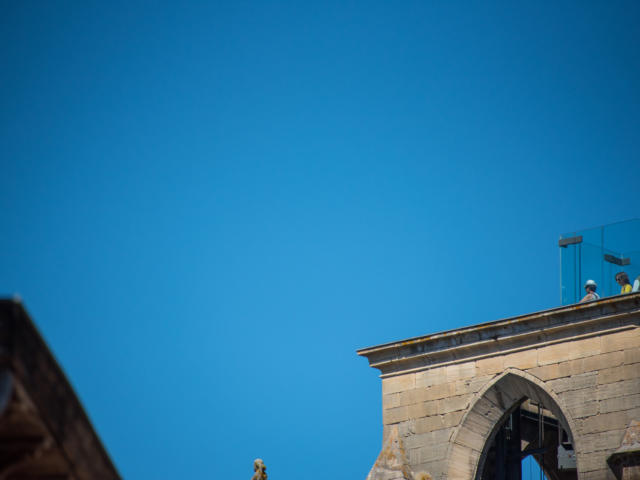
(207, 208)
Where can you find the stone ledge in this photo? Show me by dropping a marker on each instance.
(514, 335)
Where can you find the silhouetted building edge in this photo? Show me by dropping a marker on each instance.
(44, 430)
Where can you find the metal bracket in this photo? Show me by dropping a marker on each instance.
(617, 260)
(564, 242)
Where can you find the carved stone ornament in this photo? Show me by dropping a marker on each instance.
(260, 470)
(625, 462)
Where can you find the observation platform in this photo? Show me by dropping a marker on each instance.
(598, 254)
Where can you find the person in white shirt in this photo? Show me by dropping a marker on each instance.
(590, 287)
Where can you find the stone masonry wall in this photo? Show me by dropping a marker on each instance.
(596, 380)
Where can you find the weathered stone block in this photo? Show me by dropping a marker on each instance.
(426, 439)
(452, 419)
(599, 474)
(428, 453)
(617, 404)
(462, 462)
(434, 469)
(603, 423)
(565, 351)
(579, 365)
(452, 404)
(423, 409)
(523, 360)
(431, 377)
(616, 374)
(410, 397)
(608, 440)
(395, 415)
(488, 410)
(617, 389)
(620, 341)
(580, 403)
(552, 371)
(406, 428)
(390, 400)
(460, 371)
(471, 385)
(553, 354)
(599, 362)
(632, 355)
(439, 391)
(471, 439)
(490, 365)
(584, 347)
(429, 424)
(398, 383)
(575, 382)
(593, 461)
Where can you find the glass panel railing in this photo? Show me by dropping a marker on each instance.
(569, 284)
(598, 254)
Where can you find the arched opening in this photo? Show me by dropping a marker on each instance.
(530, 430)
(513, 418)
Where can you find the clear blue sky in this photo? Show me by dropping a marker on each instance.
(207, 208)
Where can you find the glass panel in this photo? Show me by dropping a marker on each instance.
(601, 253)
(569, 285)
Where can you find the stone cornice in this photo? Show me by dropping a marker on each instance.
(505, 336)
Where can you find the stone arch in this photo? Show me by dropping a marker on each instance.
(487, 411)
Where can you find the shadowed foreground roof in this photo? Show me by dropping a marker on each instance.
(44, 431)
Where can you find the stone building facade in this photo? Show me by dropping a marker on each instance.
(571, 374)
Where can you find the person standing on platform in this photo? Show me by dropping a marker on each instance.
(590, 287)
(623, 280)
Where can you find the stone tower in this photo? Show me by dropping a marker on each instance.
(562, 385)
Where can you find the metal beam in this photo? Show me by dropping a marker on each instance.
(564, 242)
